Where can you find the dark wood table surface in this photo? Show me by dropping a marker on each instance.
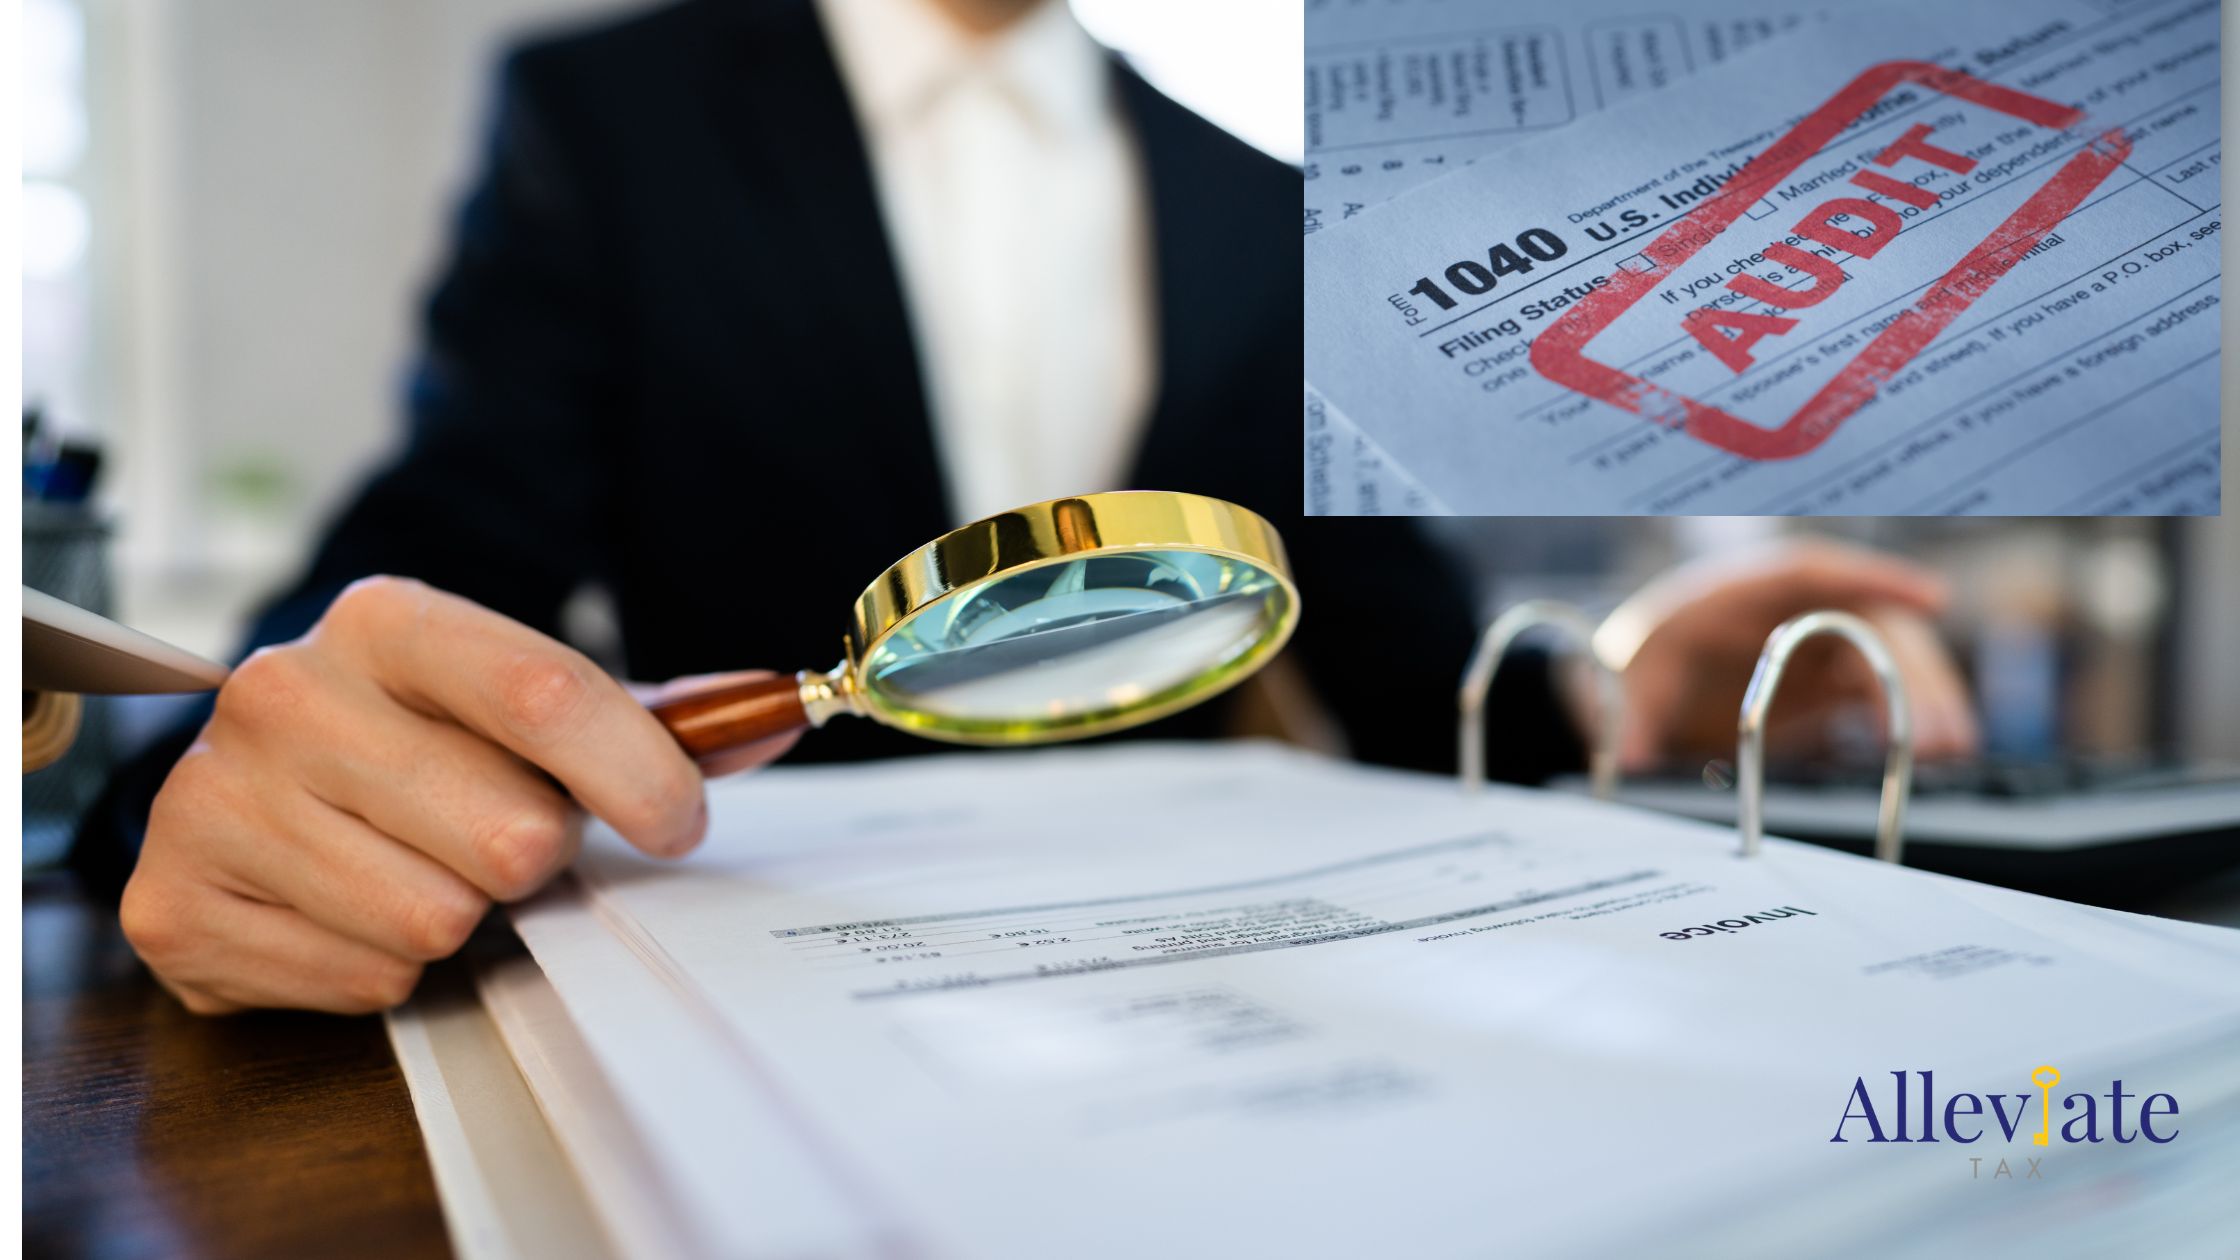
(151, 1132)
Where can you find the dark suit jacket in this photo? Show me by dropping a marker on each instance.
(669, 355)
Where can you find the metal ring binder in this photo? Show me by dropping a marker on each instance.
(1897, 771)
(1602, 757)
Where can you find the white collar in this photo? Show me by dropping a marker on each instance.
(898, 56)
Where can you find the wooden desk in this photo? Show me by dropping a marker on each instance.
(151, 1132)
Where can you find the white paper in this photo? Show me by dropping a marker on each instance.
(508, 1191)
(1395, 98)
(1130, 1000)
(723, 1166)
(1401, 92)
(2035, 400)
(617, 1174)
(1349, 475)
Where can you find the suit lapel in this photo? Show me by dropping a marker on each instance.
(1184, 212)
(786, 117)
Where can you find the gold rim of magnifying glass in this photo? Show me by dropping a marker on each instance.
(1046, 533)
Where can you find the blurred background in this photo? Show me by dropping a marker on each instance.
(226, 309)
(2091, 637)
(221, 312)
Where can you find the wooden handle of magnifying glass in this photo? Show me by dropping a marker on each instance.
(732, 715)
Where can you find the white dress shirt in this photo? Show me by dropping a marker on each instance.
(1014, 201)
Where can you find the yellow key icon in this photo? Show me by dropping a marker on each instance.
(2045, 1078)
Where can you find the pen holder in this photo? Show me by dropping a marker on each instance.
(65, 554)
(1470, 738)
(1897, 770)
(50, 724)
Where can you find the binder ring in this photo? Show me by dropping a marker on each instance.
(1897, 770)
(1602, 757)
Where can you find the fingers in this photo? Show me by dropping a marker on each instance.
(471, 806)
(219, 952)
(356, 882)
(1829, 701)
(302, 731)
(360, 795)
(1828, 679)
(1687, 675)
(1944, 720)
(1732, 601)
(1646, 727)
(540, 699)
(1819, 573)
(1897, 597)
(281, 844)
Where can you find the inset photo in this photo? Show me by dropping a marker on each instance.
(1762, 259)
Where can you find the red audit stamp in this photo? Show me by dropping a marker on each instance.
(1559, 354)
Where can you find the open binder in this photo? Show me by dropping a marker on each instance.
(1240, 1000)
(2106, 835)
(1757, 702)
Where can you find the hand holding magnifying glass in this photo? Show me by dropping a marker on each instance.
(362, 793)
(1055, 621)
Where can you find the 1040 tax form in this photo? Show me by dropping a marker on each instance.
(1912, 261)
(1403, 91)
(1240, 1000)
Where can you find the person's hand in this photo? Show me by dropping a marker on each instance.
(1690, 639)
(362, 795)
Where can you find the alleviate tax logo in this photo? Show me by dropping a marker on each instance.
(1968, 1118)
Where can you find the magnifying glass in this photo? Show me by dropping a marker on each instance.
(1055, 621)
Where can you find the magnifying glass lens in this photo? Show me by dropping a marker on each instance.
(1077, 638)
(1057, 620)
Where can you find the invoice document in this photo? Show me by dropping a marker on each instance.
(1153, 999)
(1403, 91)
(1933, 293)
